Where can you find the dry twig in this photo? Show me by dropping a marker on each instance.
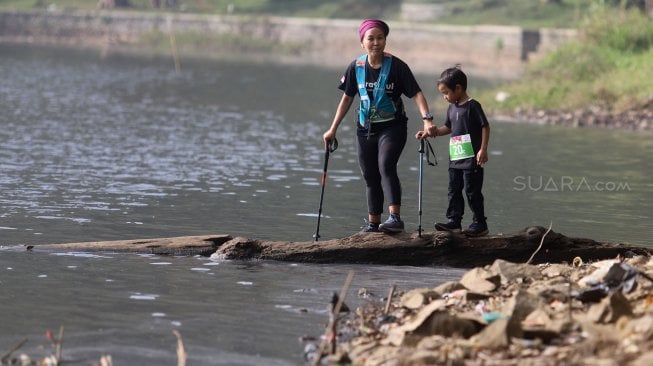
(389, 301)
(330, 336)
(58, 344)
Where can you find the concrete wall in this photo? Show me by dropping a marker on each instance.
(484, 51)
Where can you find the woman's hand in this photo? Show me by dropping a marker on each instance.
(420, 135)
(328, 137)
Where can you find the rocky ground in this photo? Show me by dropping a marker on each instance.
(597, 313)
(637, 119)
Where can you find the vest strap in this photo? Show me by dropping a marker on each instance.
(382, 108)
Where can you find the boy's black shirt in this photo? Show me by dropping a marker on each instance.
(468, 118)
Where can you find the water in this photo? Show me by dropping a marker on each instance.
(228, 313)
(99, 147)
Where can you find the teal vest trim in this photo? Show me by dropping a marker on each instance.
(382, 108)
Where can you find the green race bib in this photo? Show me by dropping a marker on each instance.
(460, 147)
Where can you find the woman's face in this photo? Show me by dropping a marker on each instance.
(374, 41)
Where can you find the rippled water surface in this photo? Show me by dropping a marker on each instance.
(228, 313)
(104, 148)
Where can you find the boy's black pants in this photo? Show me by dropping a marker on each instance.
(471, 182)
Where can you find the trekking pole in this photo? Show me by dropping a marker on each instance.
(331, 147)
(419, 194)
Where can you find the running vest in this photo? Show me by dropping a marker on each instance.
(382, 109)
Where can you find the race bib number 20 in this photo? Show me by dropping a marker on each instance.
(460, 147)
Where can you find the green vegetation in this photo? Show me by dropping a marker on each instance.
(610, 66)
(524, 13)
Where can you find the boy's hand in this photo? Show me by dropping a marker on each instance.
(481, 157)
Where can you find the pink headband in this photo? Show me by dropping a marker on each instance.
(368, 24)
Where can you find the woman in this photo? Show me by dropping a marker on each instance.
(380, 79)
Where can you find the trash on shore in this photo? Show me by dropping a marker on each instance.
(508, 313)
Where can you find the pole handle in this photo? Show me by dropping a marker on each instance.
(332, 145)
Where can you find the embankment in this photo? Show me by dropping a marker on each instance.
(485, 51)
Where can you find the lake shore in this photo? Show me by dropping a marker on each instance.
(633, 120)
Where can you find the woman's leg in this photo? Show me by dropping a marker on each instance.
(390, 146)
(368, 162)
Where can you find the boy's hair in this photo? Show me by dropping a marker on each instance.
(453, 76)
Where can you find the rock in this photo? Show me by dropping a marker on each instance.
(522, 304)
(495, 336)
(510, 272)
(416, 298)
(610, 309)
(550, 291)
(448, 325)
(537, 319)
(448, 287)
(556, 269)
(540, 325)
(480, 280)
(644, 360)
(523, 321)
(397, 335)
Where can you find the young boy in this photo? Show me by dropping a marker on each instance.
(470, 135)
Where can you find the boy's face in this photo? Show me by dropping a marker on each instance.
(451, 96)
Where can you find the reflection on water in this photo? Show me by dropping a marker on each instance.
(119, 148)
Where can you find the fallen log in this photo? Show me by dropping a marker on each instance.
(204, 245)
(432, 248)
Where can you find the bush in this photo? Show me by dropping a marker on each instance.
(608, 66)
(625, 30)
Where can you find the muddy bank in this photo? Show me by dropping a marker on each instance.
(598, 313)
(640, 119)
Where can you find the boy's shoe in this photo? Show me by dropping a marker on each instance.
(392, 225)
(371, 228)
(452, 225)
(476, 229)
